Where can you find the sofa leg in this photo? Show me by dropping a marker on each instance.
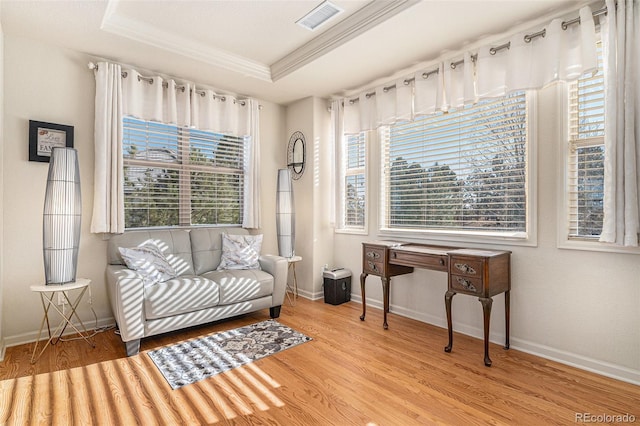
(274, 311)
(133, 347)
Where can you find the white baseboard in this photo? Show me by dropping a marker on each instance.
(584, 363)
(2, 350)
(309, 295)
(30, 337)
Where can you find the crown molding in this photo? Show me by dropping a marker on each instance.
(358, 23)
(153, 36)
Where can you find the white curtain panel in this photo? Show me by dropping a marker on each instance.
(577, 56)
(351, 117)
(184, 104)
(146, 98)
(108, 196)
(621, 53)
(337, 166)
(404, 100)
(459, 83)
(251, 217)
(394, 103)
(386, 105)
(368, 113)
(219, 113)
(491, 72)
(429, 90)
(528, 63)
(154, 98)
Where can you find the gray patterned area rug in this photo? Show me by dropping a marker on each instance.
(188, 362)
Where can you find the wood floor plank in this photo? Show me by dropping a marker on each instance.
(352, 373)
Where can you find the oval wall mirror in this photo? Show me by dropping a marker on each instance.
(296, 154)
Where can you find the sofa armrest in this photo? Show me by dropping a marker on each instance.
(126, 294)
(278, 267)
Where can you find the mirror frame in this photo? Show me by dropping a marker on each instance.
(297, 142)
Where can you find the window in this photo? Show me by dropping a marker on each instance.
(585, 169)
(353, 182)
(465, 170)
(176, 176)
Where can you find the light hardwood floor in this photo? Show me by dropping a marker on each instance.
(352, 373)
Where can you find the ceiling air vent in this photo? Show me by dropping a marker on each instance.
(318, 16)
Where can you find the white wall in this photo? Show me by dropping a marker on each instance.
(314, 237)
(1, 182)
(578, 307)
(300, 118)
(51, 84)
(322, 228)
(272, 133)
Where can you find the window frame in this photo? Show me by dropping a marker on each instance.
(527, 238)
(184, 167)
(343, 172)
(564, 241)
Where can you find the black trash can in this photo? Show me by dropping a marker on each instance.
(337, 286)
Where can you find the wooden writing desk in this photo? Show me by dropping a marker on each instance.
(482, 273)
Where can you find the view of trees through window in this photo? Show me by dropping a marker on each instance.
(586, 156)
(461, 170)
(180, 176)
(355, 182)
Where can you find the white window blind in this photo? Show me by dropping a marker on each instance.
(176, 176)
(586, 155)
(355, 181)
(458, 171)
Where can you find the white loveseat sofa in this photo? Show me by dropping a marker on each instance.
(198, 294)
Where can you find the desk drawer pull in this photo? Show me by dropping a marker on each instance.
(373, 266)
(463, 267)
(373, 255)
(466, 284)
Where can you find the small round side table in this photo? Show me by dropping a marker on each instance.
(47, 297)
(293, 290)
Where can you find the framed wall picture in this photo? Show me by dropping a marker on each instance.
(43, 137)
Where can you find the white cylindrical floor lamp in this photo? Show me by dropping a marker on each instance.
(285, 215)
(61, 217)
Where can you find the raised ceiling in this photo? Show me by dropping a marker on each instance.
(255, 48)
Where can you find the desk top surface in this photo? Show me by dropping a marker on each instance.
(437, 250)
(424, 249)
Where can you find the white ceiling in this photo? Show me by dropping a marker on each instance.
(255, 48)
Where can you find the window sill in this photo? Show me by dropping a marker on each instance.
(590, 245)
(174, 227)
(448, 237)
(351, 231)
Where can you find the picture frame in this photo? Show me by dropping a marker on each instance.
(43, 137)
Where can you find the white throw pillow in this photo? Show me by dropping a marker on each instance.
(240, 251)
(149, 262)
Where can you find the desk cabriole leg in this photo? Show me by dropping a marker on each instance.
(486, 309)
(385, 293)
(448, 296)
(363, 278)
(507, 315)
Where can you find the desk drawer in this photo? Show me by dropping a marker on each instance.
(468, 267)
(434, 262)
(374, 268)
(466, 284)
(373, 254)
